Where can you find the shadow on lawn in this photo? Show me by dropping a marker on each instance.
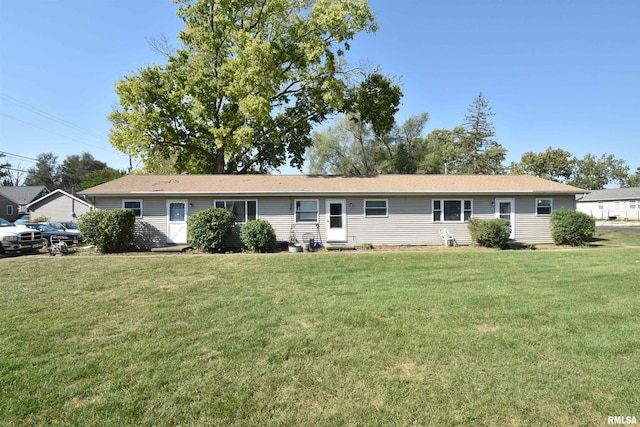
(519, 246)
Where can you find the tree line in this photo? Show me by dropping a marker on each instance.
(353, 148)
(74, 173)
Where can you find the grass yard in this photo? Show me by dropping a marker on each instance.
(456, 337)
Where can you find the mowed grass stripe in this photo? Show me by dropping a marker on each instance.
(380, 338)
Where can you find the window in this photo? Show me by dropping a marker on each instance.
(452, 210)
(437, 210)
(10, 210)
(601, 205)
(306, 211)
(375, 208)
(177, 211)
(134, 205)
(632, 204)
(543, 206)
(244, 210)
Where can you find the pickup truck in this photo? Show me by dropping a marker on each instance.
(16, 240)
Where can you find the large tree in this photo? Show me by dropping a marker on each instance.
(250, 80)
(478, 151)
(443, 151)
(76, 172)
(593, 173)
(348, 148)
(75, 168)
(554, 164)
(354, 148)
(45, 172)
(633, 180)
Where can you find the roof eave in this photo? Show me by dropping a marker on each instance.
(303, 193)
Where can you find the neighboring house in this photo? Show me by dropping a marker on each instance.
(381, 210)
(14, 200)
(623, 203)
(59, 206)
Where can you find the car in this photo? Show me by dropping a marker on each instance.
(22, 220)
(49, 232)
(70, 225)
(63, 227)
(18, 239)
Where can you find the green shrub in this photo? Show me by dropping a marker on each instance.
(90, 226)
(118, 232)
(110, 231)
(570, 227)
(258, 236)
(493, 233)
(474, 228)
(209, 229)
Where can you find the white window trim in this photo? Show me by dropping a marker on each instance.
(136, 201)
(295, 211)
(462, 210)
(550, 205)
(245, 207)
(10, 210)
(386, 208)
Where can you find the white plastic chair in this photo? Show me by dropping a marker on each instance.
(447, 238)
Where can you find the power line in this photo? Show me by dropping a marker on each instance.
(17, 170)
(49, 116)
(17, 156)
(56, 133)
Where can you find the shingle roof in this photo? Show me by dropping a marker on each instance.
(612, 194)
(327, 184)
(22, 195)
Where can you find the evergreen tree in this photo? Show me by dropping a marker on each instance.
(479, 153)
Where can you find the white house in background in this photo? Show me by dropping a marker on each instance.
(614, 203)
(382, 210)
(59, 206)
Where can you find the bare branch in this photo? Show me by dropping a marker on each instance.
(161, 45)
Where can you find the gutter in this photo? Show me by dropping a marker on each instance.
(303, 193)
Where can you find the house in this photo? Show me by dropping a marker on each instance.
(381, 210)
(623, 203)
(59, 206)
(14, 200)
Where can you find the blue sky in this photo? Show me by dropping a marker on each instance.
(560, 73)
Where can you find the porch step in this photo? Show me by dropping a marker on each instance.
(171, 248)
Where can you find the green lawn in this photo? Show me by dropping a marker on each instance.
(456, 337)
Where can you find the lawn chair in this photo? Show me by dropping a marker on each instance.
(447, 238)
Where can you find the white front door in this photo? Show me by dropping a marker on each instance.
(336, 214)
(177, 221)
(506, 209)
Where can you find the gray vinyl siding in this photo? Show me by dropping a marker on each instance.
(58, 207)
(3, 210)
(409, 220)
(151, 229)
(534, 229)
